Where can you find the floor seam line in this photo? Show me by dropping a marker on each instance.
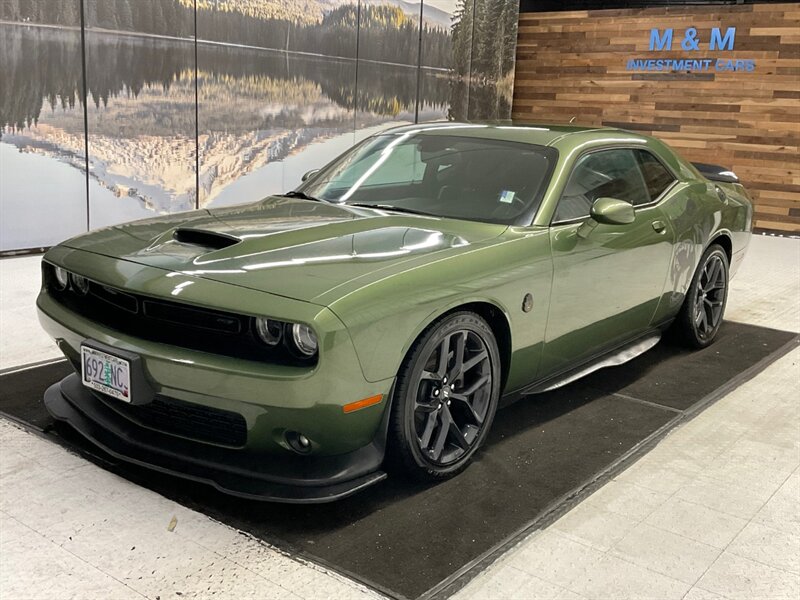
(713, 562)
(671, 409)
(644, 567)
(688, 538)
(28, 366)
(761, 562)
(711, 509)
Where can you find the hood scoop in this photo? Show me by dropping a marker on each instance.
(205, 239)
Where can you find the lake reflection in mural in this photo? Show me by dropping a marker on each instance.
(272, 95)
(141, 123)
(42, 158)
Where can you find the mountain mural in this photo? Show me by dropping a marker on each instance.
(269, 89)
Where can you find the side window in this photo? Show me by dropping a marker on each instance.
(607, 173)
(656, 176)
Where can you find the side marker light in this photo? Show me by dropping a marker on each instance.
(359, 404)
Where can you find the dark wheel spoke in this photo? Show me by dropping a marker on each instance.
(458, 360)
(478, 358)
(703, 320)
(426, 375)
(716, 313)
(444, 357)
(475, 386)
(458, 437)
(461, 398)
(430, 424)
(425, 407)
(441, 436)
(711, 272)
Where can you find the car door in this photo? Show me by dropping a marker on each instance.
(607, 281)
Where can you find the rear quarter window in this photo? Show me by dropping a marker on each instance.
(657, 178)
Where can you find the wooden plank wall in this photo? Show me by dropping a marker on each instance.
(573, 64)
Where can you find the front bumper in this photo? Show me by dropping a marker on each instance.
(290, 478)
(212, 417)
(273, 400)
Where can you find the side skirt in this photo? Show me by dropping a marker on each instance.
(618, 356)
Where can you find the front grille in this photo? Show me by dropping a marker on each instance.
(175, 323)
(193, 421)
(116, 298)
(192, 317)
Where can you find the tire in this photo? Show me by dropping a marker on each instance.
(703, 307)
(432, 394)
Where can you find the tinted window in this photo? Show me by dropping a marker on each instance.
(440, 174)
(656, 176)
(607, 173)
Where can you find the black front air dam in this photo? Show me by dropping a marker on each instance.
(294, 479)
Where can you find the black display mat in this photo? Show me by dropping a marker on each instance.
(544, 452)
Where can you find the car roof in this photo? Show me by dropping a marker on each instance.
(514, 131)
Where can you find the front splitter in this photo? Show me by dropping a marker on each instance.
(69, 402)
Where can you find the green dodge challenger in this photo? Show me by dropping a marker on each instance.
(297, 348)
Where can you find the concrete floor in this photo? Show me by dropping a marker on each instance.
(712, 512)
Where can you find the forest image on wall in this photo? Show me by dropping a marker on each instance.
(202, 103)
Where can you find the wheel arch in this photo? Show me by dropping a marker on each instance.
(494, 315)
(499, 323)
(722, 238)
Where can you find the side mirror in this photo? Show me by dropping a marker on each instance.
(309, 175)
(612, 211)
(609, 211)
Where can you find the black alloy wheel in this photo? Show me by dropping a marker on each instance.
(710, 296)
(704, 306)
(446, 397)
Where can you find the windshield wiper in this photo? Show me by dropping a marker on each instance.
(401, 209)
(301, 195)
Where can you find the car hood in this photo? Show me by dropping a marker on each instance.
(286, 246)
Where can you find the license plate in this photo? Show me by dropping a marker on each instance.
(106, 373)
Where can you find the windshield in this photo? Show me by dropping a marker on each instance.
(442, 175)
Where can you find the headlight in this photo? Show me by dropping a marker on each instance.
(62, 278)
(81, 284)
(305, 340)
(269, 331)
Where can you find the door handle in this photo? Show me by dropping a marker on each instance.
(659, 226)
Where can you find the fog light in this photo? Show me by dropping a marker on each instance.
(62, 278)
(298, 442)
(81, 284)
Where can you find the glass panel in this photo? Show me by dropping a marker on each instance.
(388, 53)
(493, 53)
(446, 59)
(609, 173)
(450, 176)
(656, 176)
(472, 56)
(276, 87)
(140, 73)
(42, 144)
